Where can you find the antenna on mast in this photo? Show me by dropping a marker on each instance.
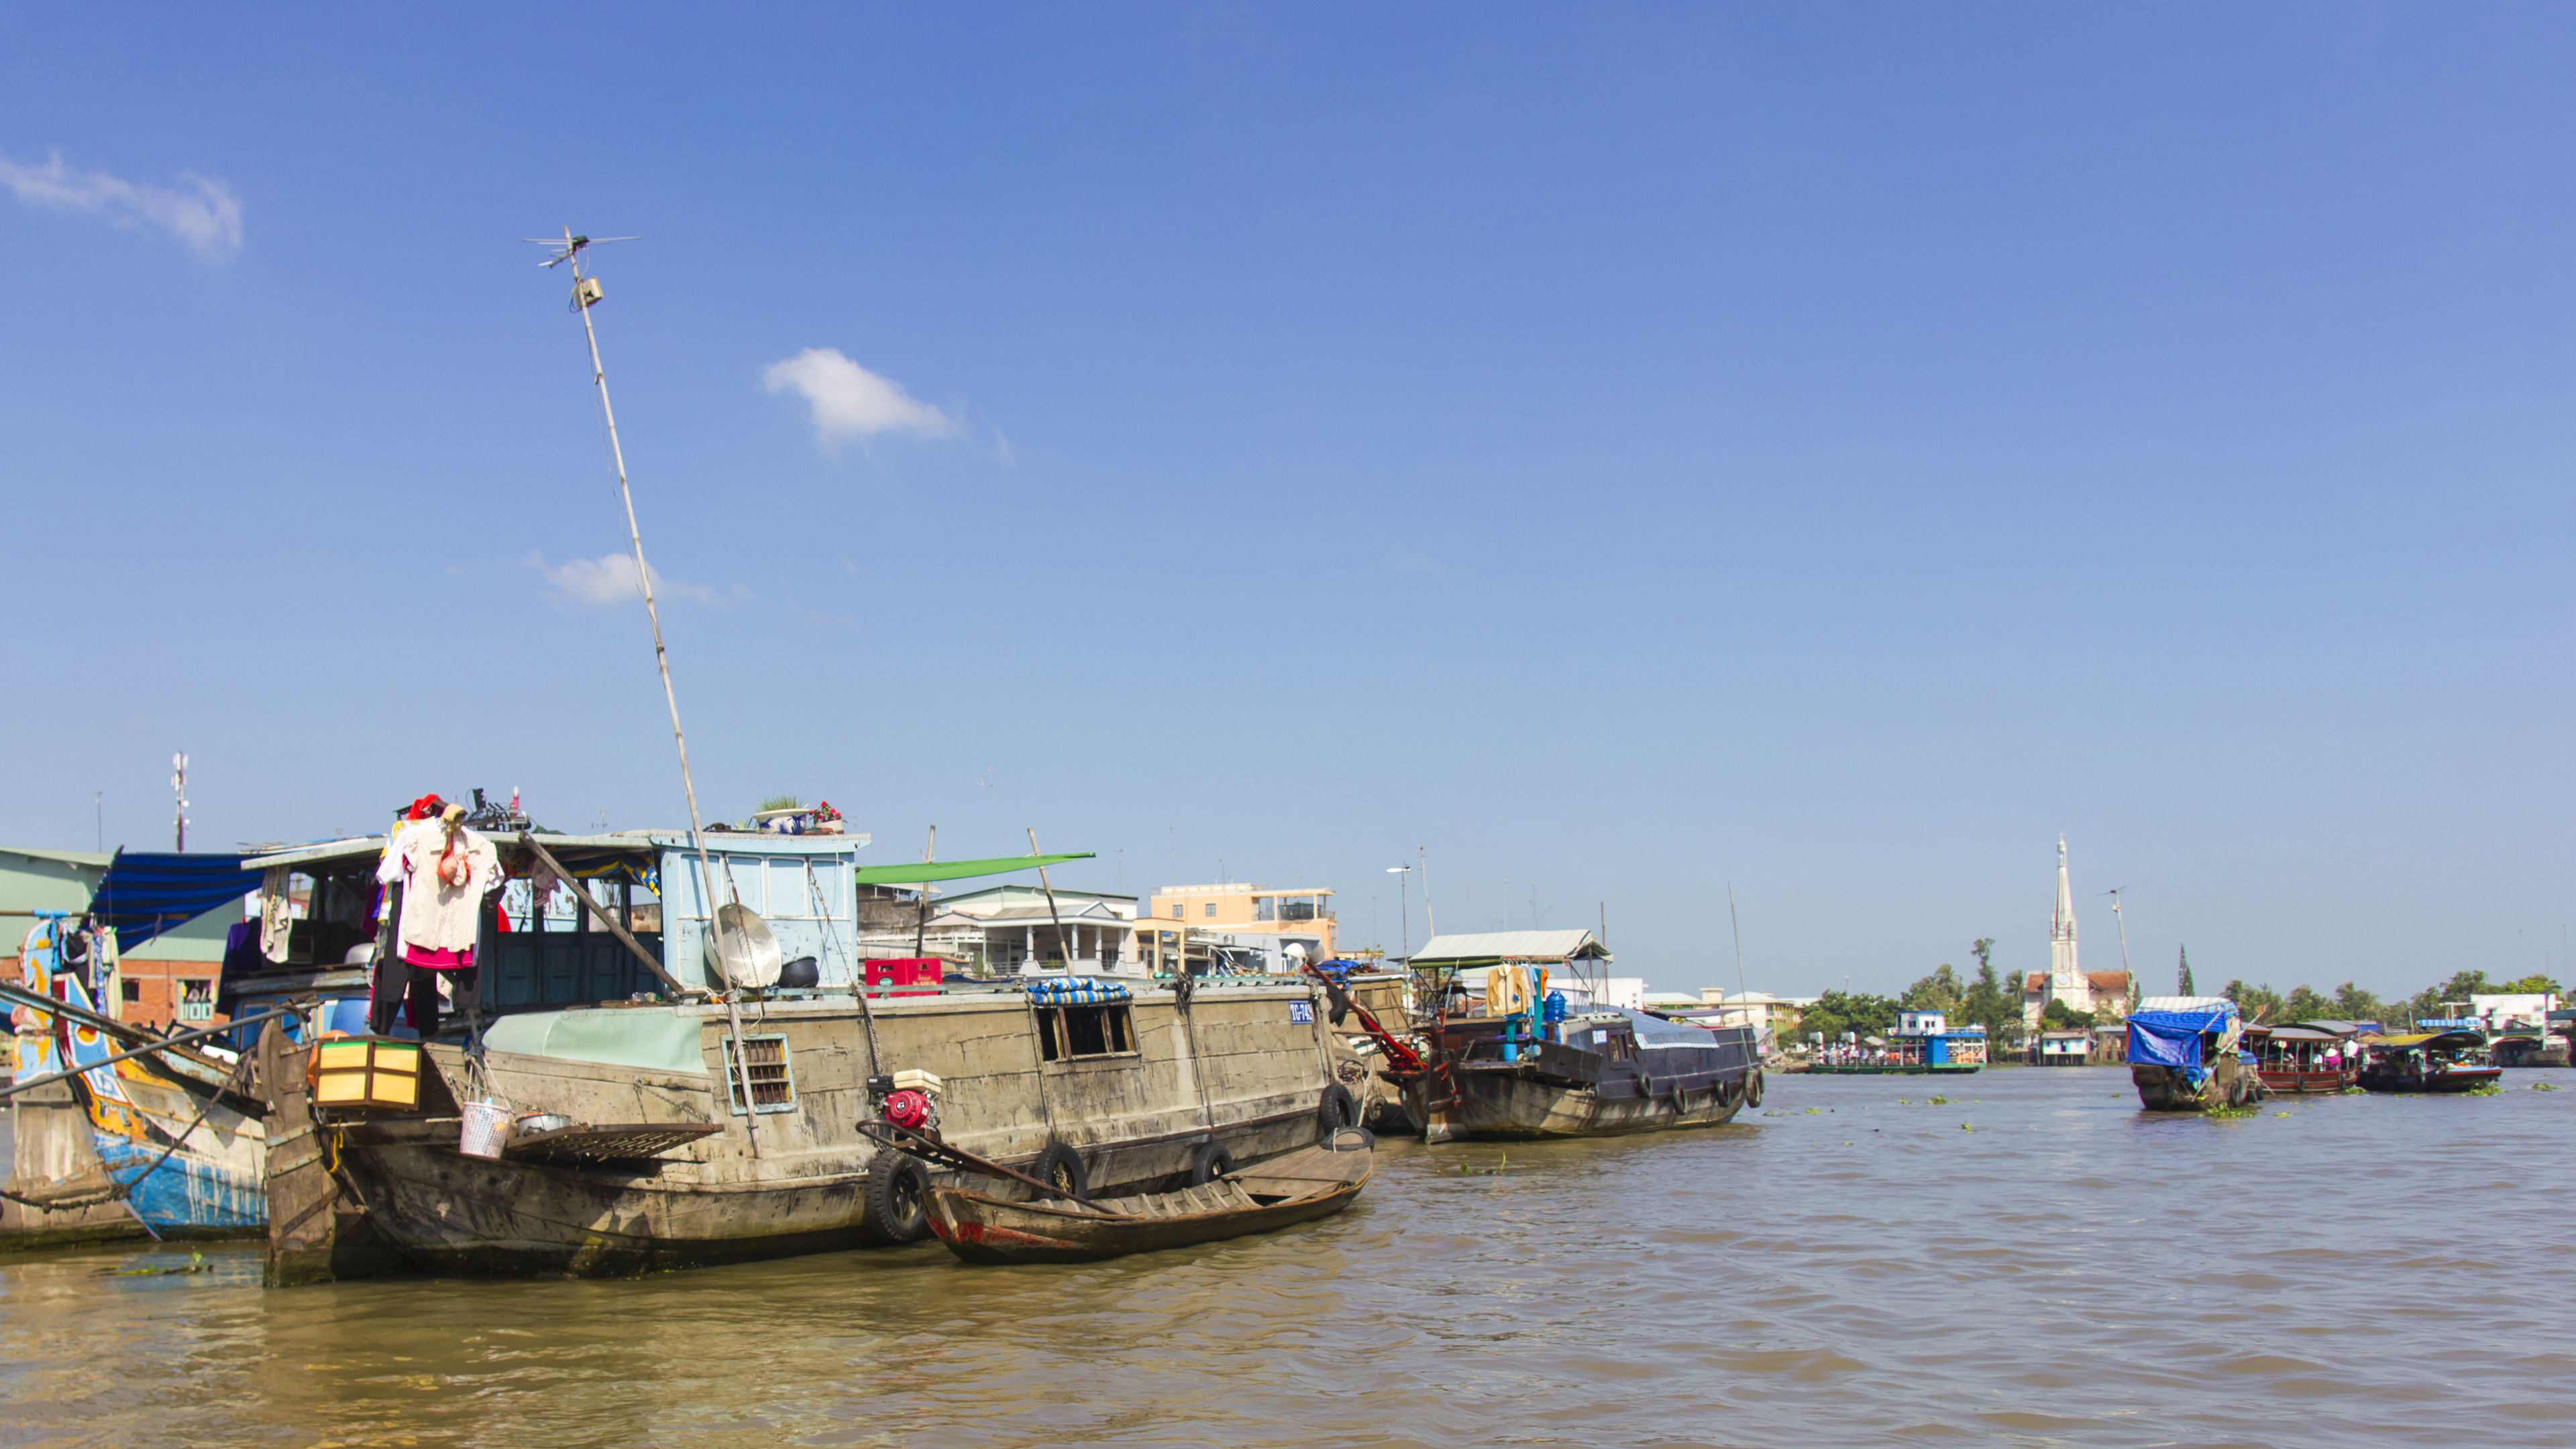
(178, 792)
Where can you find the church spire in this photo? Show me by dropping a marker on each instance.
(2064, 974)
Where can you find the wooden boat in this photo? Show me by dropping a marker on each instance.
(1299, 1187)
(2427, 1061)
(1604, 1073)
(2191, 1060)
(2301, 1060)
(175, 1140)
(1123, 1083)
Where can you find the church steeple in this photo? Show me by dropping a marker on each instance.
(2065, 975)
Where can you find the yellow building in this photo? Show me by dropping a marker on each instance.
(1301, 915)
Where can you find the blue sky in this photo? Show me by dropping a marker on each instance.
(1625, 450)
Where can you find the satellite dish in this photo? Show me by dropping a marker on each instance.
(741, 951)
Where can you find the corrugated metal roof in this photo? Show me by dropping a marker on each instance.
(1510, 946)
(2184, 1003)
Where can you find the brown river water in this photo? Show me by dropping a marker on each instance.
(2035, 1262)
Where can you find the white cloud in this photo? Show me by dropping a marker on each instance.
(201, 212)
(851, 402)
(610, 579)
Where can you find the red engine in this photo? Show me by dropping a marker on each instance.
(907, 1108)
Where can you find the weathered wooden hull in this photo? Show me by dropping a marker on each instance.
(983, 1229)
(1501, 1105)
(59, 1190)
(2230, 1084)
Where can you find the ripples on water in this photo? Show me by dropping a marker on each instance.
(2061, 1269)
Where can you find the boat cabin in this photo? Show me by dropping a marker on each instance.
(2299, 1059)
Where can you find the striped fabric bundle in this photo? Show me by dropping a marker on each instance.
(1074, 990)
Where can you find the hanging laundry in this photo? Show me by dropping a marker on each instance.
(445, 869)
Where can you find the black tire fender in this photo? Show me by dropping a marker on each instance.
(1062, 1167)
(1210, 1162)
(897, 1198)
(1338, 1109)
(1350, 1139)
(1753, 1088)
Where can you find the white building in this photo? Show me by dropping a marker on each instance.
(2105, 994)
(2498, 1011)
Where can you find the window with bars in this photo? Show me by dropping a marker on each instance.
(1084, 1031)
(773, 1078)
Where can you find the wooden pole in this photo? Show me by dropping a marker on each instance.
(1052, 915)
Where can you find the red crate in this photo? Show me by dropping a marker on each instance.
(922, 971)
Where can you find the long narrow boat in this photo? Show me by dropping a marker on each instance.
(2427, 1061)
(2302, 1060)
(1299, 1187)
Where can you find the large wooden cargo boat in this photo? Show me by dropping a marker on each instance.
(659, 1125)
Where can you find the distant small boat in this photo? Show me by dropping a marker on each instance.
(2427, 1061)
(1298, 1187)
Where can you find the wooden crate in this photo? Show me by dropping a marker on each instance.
(363, 1072)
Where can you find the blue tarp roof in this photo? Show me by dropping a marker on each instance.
(2172, 1038)
(144, 894)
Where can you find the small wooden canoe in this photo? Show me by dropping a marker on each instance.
(1298, 1187)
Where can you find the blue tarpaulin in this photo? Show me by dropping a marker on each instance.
(2172, 1038)
(144, 894)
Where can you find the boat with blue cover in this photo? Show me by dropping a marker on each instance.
(2191, 1059)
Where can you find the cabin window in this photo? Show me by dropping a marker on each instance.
(1084, 1031)
(773, 1079)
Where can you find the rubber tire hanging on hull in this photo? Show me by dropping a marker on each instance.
(896, 1196)
(1339, 1109)
(1062, 1167)
(1209, 1163)
(1753, 1088)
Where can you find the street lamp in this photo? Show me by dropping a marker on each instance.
(1403, 904)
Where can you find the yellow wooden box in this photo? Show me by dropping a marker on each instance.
(364, 1073)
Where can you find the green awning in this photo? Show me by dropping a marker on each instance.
(924, 873)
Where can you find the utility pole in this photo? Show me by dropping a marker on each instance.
(1430, 922)
(1404, 877)
(178, 792)
(2123, 923)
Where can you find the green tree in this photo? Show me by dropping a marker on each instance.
(2305, 1003)
(1941, 991)
(2462, 986)
(2351, 1003)
(2058, 1016)
(2532, 984)
(1836, 1012)
(2257, 1003)
(1987, 1004)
